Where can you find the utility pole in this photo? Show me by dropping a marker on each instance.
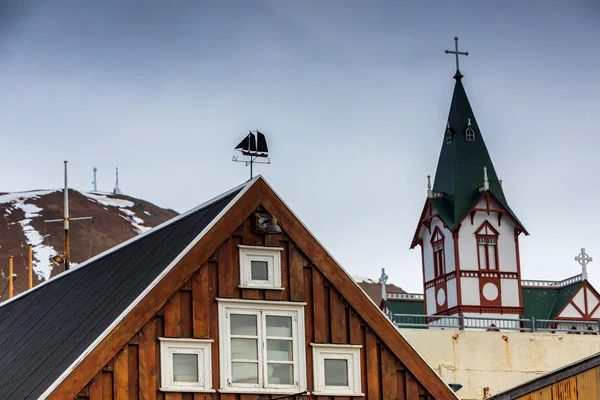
(65, 220)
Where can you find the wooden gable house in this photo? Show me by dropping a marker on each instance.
(222, 302)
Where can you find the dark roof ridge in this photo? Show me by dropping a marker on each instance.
(132, 240)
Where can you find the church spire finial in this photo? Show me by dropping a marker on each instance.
(458, 75)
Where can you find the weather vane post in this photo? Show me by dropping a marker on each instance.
(65, 220)
(254, 145)
(584, 259)
(457, 53)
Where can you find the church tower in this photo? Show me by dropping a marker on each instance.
(468, 234)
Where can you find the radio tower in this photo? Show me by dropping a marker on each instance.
(117, 190)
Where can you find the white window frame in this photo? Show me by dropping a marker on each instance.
(261, 309)
(272, 255)
(448, 136)
(470, 134)
(348, 352)
(199, 347)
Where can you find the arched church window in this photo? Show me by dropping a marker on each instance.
(470, 134)
(448, 136)
(487, 247)
(439, 259)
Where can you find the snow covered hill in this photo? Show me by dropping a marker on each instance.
(116, 219)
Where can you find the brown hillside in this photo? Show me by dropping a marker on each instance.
(117, 218)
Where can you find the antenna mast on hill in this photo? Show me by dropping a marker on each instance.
(65, 220)
(117, 189)
(94, 182)
(254, 145)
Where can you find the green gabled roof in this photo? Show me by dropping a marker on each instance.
(405, 306)
(547, 302)
(459, 173)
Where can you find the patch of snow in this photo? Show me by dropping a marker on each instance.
(41, 252)
(123, 206)
(107, 201)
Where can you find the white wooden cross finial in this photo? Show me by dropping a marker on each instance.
(383, 279)
(456, 52)
(584, 259)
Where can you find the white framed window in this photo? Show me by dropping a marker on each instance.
(261, 346)
(336, 370)
(470, 134)
(448, 136)
(260, 267)
(185, 365)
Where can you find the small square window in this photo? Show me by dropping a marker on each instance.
(336, 370)
(185, 365)
(260, 267)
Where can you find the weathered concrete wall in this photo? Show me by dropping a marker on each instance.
(497, 360)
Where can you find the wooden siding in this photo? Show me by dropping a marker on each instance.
(582, 386)
(134, 372)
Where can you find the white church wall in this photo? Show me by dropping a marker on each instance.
(428, 251)
(470, 291)
(510, 292)
(570, 312)
(452, 298)
(430, 296)
(592, 301)
(498, 360)
(579, 299)
(482, 320)
(507, 252)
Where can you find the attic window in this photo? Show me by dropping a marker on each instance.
(470, 134)
(185, 365)
(448, 136)
(260, 267)
(336, 370)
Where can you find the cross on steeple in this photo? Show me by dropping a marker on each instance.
(383, 280)
(583, 259)
(457, 53)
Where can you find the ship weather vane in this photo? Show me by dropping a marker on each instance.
(254, 145)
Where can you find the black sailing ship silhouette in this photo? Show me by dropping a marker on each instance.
(254, 145)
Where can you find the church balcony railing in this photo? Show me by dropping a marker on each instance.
(405, 296)
(557, 284)
(494, 324)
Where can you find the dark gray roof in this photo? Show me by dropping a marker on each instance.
(43, 331)
(550, 378)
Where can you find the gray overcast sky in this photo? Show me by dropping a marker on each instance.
(353, 97)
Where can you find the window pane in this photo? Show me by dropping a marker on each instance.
(336, 372)
(185, 367)
(244, 372)
(280, 374)
(279, 326)
(242, 324)
(244, 349)
(279, 350)
(259, 270)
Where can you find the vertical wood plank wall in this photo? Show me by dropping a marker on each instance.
(583, 386)
(134, 373)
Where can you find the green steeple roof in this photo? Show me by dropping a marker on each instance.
(459, 173)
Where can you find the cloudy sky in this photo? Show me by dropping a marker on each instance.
(353, 97)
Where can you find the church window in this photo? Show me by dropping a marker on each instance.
(470, 134)
(448, 136)
(439, 259)
(487, 247)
